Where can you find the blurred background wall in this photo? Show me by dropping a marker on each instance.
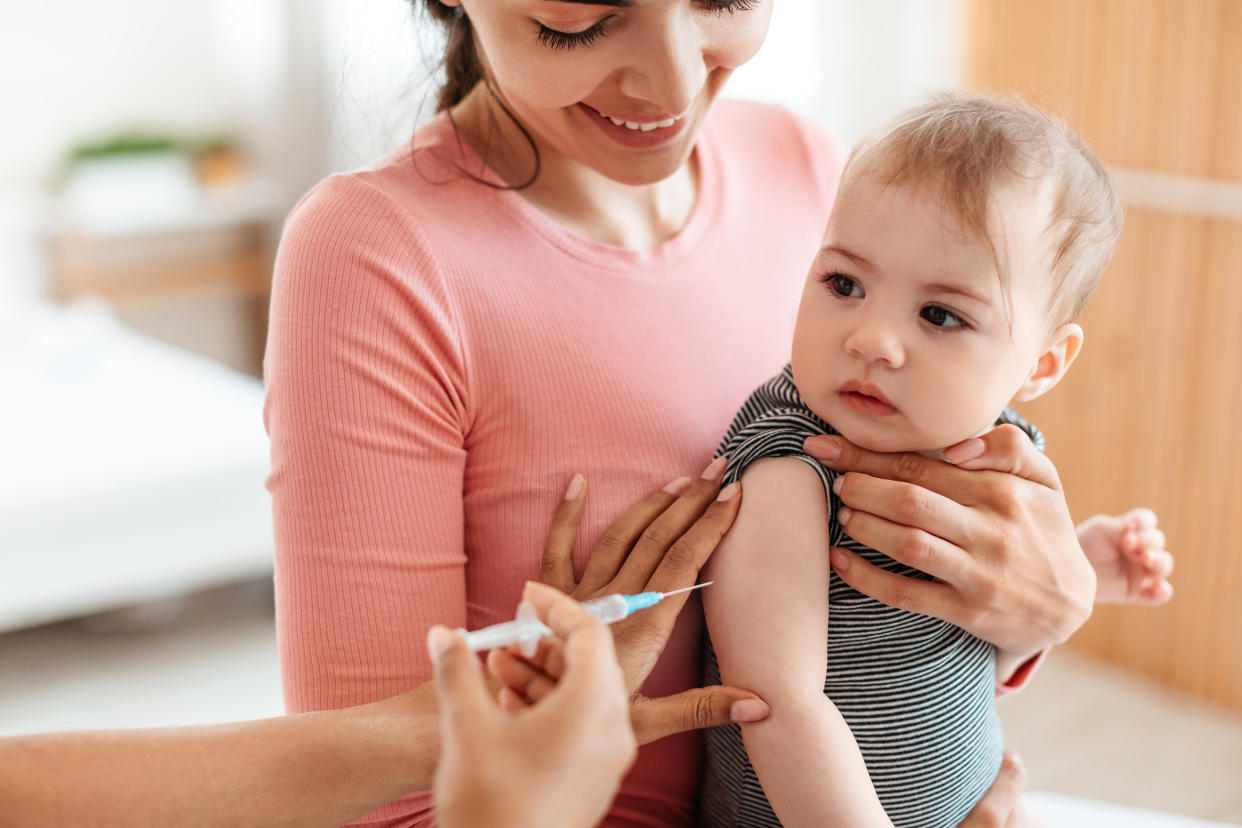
(152, 149)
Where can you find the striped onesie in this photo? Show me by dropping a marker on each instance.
(917, 692)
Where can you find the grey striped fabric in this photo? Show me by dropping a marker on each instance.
(917, 692)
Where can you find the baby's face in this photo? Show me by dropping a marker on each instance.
(902, 340)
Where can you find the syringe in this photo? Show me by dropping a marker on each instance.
(526, 629)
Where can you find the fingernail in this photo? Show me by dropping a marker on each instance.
(438, 640)
(844, 514)
(823, 447)
(729, 491)
(677, 486)
(840, 560)
(838, 483)
(965, 450)
(748, 710)
(715, 468)
(575, 487)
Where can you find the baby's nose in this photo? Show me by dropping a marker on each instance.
(874, 341)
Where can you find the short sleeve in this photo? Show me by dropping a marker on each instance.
(366, 408)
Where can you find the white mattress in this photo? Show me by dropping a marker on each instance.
(129, 470)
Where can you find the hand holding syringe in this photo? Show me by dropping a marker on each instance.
(526, 629)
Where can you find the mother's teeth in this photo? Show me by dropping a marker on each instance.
(637, 127)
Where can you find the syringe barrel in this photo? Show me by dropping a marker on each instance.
(502, 635)
(608, 609)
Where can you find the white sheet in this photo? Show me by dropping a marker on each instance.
(129, 470)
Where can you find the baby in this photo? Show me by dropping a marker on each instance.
(966, 238)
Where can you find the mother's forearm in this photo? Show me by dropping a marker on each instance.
(312, 769)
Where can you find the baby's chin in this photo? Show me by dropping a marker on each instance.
(893, 441)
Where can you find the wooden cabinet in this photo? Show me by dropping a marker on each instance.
(199, 284)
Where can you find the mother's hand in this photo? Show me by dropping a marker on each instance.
(659, 544)
(991, 526)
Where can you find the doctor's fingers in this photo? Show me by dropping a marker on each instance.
(672, 534)
(461, 689)
(617, 543)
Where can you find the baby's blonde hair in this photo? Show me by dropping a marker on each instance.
(965, 146)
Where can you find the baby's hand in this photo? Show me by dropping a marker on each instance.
(1128, 554)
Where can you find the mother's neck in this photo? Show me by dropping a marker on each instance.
(575, 196)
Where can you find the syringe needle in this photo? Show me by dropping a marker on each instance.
(687, 589)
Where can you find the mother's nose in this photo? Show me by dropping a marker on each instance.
(671, 67)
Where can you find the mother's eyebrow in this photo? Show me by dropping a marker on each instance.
(625, 4)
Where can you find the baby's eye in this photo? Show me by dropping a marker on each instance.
(844, 286)
(942, 317)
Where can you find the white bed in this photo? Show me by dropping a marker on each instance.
(1058, 811)
(129, 470)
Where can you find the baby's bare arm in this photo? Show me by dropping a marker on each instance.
(768, 618)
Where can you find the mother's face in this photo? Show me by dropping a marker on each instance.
(570, 70)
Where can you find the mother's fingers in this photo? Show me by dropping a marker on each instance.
(837, 453)
(899, 591)
(900, 503)
(557, 566)
(1004, 449)
(1008, 449)
(908, 545)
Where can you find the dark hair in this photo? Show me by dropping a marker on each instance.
(462, 72)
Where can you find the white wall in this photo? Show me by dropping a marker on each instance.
(75, 69)
(851, 64)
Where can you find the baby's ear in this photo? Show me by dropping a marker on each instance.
(1063, 347)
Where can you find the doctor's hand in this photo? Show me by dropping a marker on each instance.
(557, 761)
(991, 526)
(658, 544)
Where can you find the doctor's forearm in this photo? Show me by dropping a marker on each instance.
(313, 769)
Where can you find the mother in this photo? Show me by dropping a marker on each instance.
(582, 265)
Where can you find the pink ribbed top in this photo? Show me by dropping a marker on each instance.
(443, 358)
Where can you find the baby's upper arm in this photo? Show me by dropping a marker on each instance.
(767, 611)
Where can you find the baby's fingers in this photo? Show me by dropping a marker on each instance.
(1140, 519)
(1158, 564)
(1157, 591)
(1135, 541)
